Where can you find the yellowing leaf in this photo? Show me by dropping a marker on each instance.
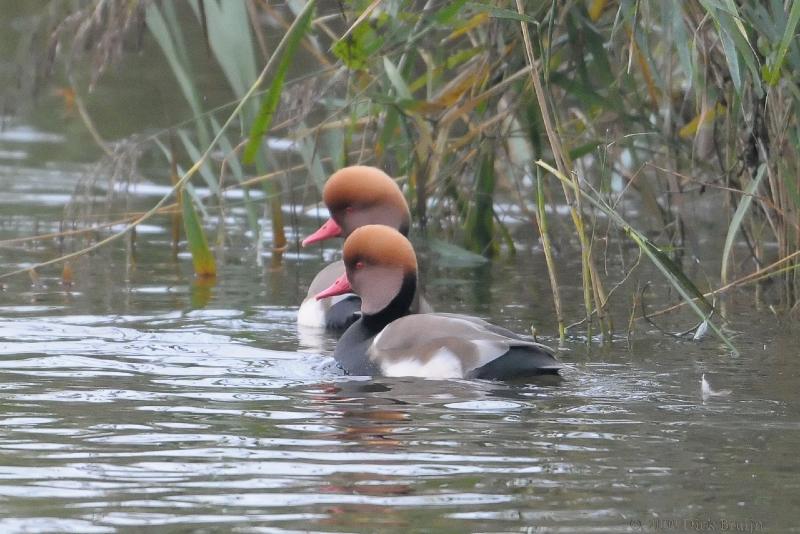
(67, 94)
(202, 257)
(472, 78)
(67, 276)
(704, 117)
(453, 91)
(426, 108)
(471, 24)
(438, 70)
(596, 9)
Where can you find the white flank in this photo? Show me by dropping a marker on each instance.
(311, 313)
(443, 364)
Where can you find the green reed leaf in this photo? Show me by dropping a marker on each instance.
(167, 33)
(272, 97)
(445, 14)
(396, 79)
(774, 70)
(202, 257)
(500, 13)
(356, 49)
(738, 217)
(194, 155)
(479, 226)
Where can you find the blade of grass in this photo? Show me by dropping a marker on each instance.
(479, 226)
(194, 154)
(238, 173)
(396, 79)
(738, 217)
(500, 13)
(364, 14)
(169, 38)
(231, 41)
(445, 14)
(308, 151)
(552, 271)
(735, 43)
(272, 97)
(681, 41)
(729, 47)
(773, 72)
(189, 187)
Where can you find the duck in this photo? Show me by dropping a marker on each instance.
(355, 196)
(388, 340)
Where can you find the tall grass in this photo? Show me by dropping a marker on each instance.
(662, 106)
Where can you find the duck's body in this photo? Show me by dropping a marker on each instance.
(388, 340)
(355, 196)
(333, 313)
(439, 345)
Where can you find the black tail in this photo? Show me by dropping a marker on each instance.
(518, 362)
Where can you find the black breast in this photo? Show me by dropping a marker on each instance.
(351, 350)
(344, 313)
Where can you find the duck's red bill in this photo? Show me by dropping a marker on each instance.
(339, 287)
(326, 231)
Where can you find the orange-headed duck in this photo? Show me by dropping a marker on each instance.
(388, 340)
(355, 196)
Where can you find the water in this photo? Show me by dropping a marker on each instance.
(136, 397)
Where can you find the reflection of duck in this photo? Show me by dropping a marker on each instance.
(363, 420)
(362, 413)
(355, 196)
(381, 268)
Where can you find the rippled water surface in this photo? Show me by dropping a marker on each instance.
(136, 397)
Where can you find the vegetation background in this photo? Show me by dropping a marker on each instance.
(599, 123)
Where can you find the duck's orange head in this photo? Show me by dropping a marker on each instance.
(361, 195)
(380, 264)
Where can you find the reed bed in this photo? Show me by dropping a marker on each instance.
(605, 107)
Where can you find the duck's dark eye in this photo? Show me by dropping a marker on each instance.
(349, 209)
(359, 265)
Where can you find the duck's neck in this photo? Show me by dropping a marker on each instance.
(398, 307)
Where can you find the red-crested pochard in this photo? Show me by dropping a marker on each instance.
(355, 196)
(387, 340)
